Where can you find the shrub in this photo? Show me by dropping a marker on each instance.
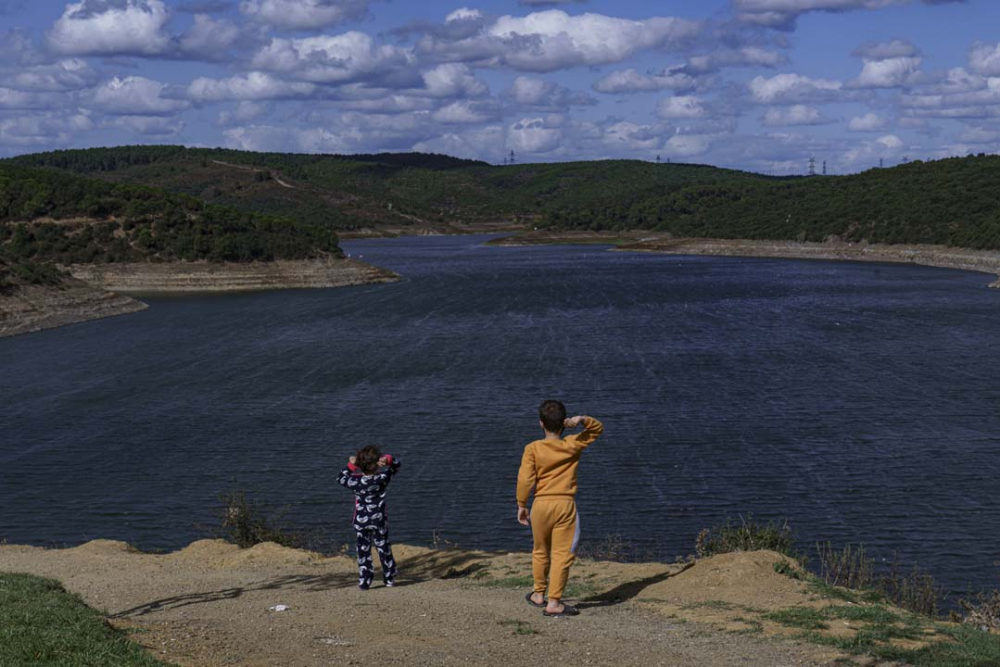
(748, 535)
(245, 524)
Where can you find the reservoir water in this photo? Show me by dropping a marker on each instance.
(859, 401)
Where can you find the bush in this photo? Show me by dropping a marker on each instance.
(244, 523)
(748, 535)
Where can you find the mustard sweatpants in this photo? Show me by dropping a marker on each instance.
(555, 529)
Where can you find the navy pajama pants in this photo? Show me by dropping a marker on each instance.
(366, 568)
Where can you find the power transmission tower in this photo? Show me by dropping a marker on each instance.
(812, 166)
(824, 167)
(906, 158)
(657, 159)
(881, 163)
(512, 157)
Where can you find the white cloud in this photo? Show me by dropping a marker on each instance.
(792, 88)
(535, 135)
(626, 137)
(984, 59)
(62, 75)
(464, 14)
(798, 114)
(208, 37)
(150, 125)
(466, 112)
(686, 145)
(889, 73)
(244, 112)
(897, 48)
(453, 80)
(134, 95)
(540, 94)
(303, 14)
(91, 27)
(782, 14)
(250, 86)
(550, 40)
(747, 56)
(331, 59)
(19, 99)
(681, 106)
(869, 122)
(890, 141)
(631, 81)
(477, 144)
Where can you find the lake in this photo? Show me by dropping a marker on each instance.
(859, 401)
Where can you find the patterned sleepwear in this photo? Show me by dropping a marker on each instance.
(371, 520)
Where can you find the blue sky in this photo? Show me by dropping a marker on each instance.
(752, 84)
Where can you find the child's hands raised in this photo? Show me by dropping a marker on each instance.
(384, 460)
(352, 460)
(573, 422)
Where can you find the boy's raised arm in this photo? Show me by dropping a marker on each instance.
(592, 429)
(526, 476)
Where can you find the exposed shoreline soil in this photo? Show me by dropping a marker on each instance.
(208, 605)
(34, 307)
(96, 291)
(175, 277)
(982, 261)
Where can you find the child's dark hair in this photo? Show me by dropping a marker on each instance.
(367, 459)
(552, 414)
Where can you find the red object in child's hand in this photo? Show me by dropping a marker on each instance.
(388, 459)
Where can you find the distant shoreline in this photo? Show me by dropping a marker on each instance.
(965, 259)
(97, 291)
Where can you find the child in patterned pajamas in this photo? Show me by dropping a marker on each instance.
(548, 467)
(367, 474)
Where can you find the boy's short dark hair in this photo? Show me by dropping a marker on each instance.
(367, 459)
(552, 414)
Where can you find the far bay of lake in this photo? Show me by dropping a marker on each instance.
(859, 401)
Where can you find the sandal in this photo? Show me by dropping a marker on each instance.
(567, 611)
(532, 602)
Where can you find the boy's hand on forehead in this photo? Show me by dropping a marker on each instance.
(573, 422)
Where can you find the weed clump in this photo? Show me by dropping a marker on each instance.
(245, 524)
(747, 535)
(983, 611)
(913, 589)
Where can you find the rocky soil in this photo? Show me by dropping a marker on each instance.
(33, 308)
(210, 605)
(151, 278)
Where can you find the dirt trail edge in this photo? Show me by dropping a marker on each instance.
(210, 605)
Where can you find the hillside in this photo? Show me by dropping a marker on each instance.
(952, 202)
(387, 190)
(52, 216)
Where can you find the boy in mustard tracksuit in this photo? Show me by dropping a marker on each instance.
(549, 467)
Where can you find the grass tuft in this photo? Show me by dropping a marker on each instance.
(42, 625)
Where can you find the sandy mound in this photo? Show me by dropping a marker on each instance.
(742, 578)
(106, 548)
(212, 554)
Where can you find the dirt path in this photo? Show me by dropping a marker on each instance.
(276, 178)
(208, 605)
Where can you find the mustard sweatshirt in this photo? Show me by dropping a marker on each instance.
(549, 466)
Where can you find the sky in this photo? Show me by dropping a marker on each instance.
(760, 85)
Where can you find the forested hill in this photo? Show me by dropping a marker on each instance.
(396, 190)
(52, 216)
(950, 202)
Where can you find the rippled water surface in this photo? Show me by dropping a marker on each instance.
(857, 400)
